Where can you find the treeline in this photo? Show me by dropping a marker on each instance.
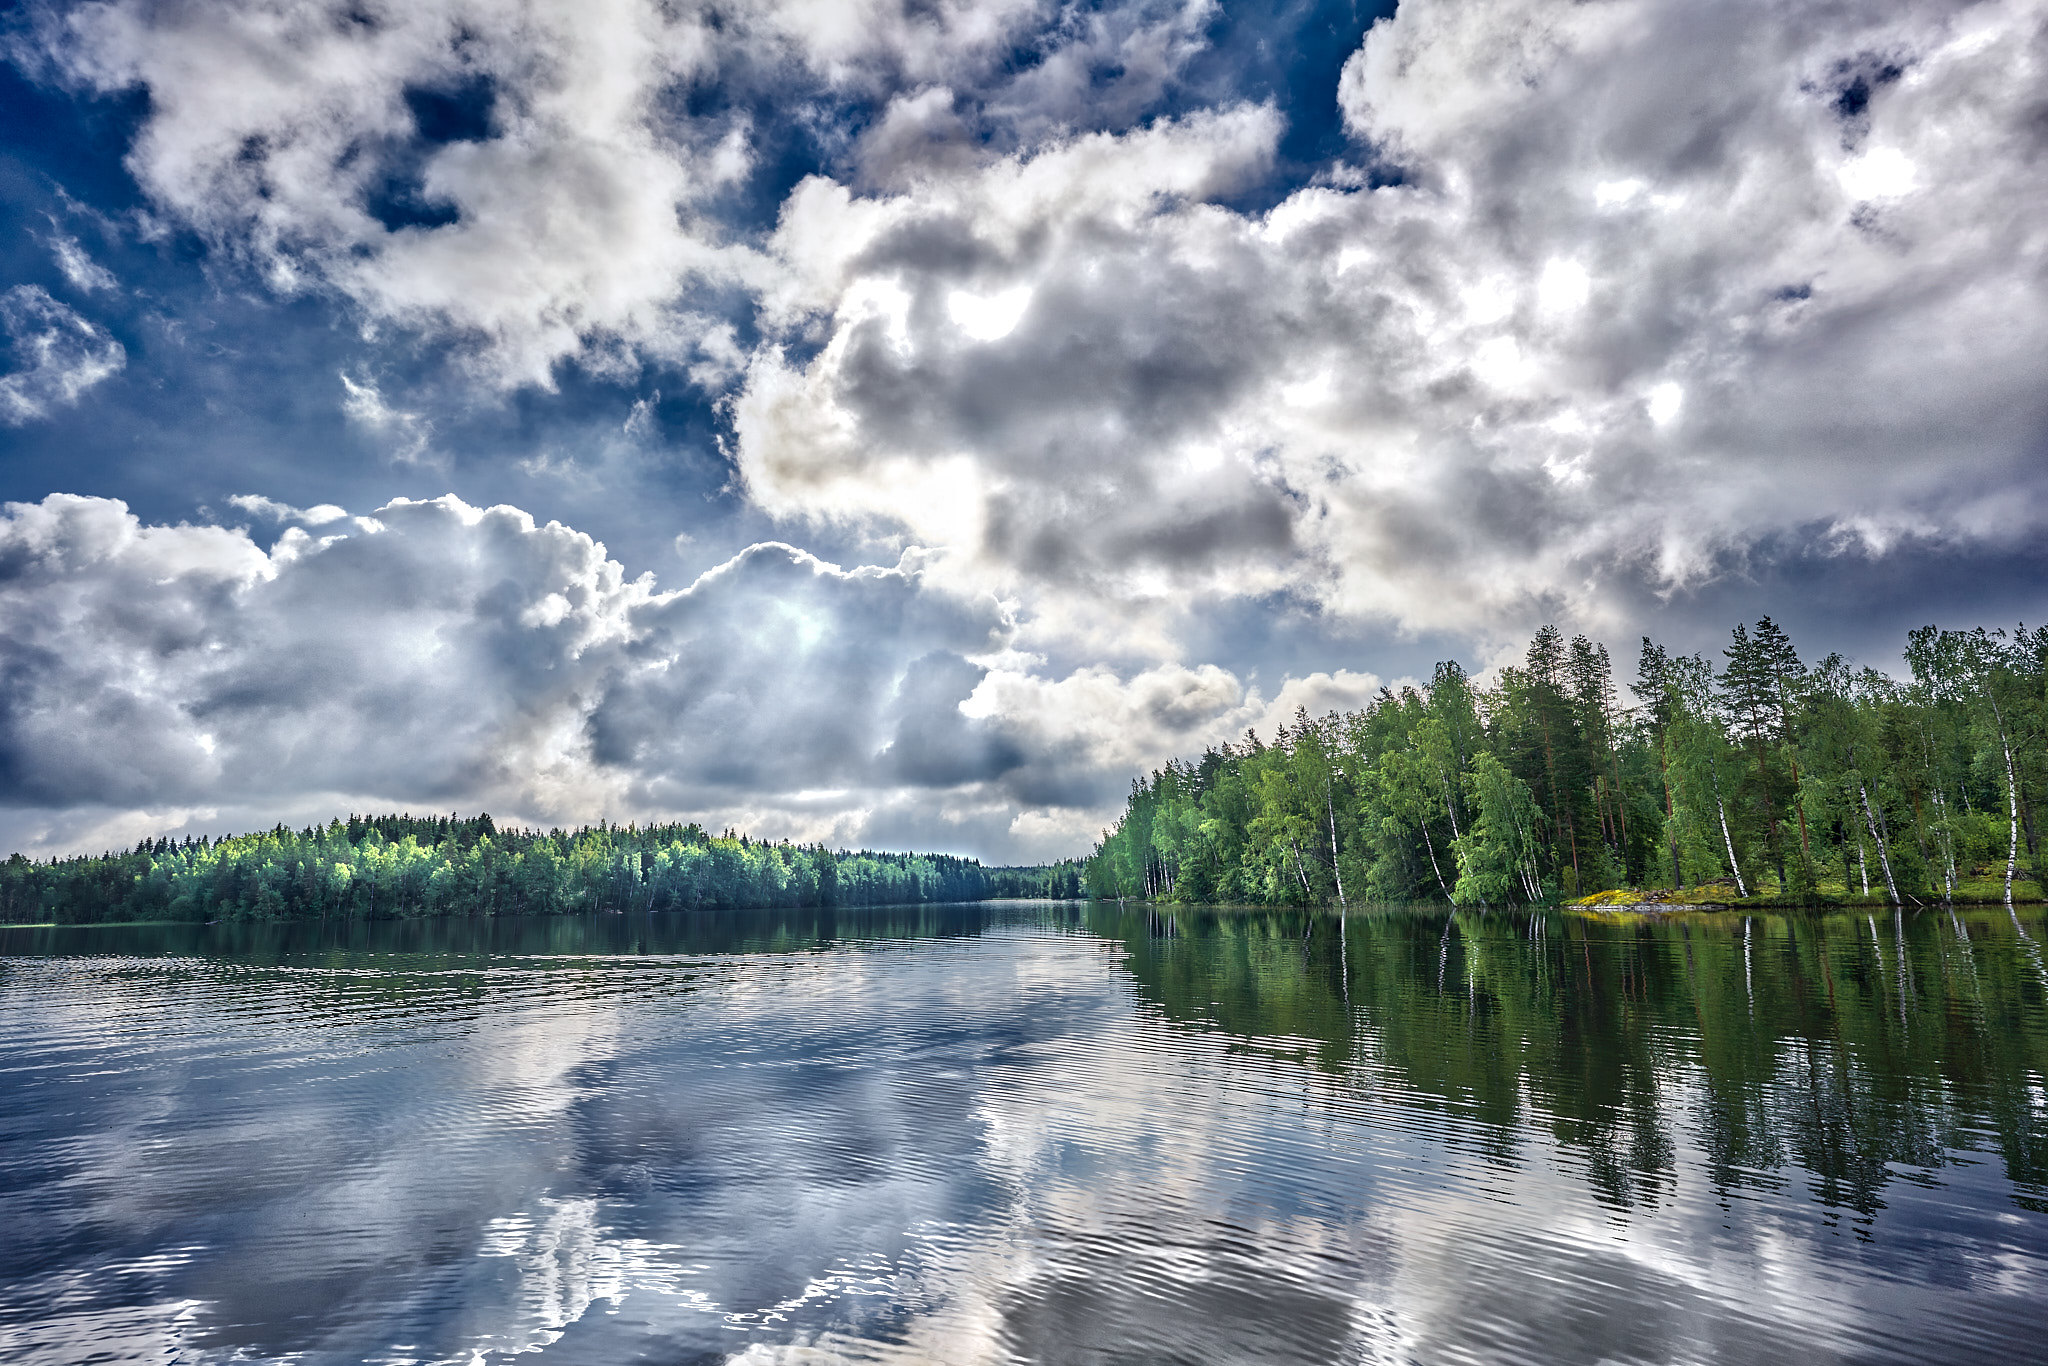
(382, 867)
(1755, 773)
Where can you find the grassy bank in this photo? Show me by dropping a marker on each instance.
(1979, 889)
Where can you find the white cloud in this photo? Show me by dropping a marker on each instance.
(1664, 402)
(56, 355)
(552, 218)
(520, 179)
(84, 273)
(256, 505)
(438, 655)
(988, 317)
(1881, 173)
(1451, 403)
(408, 432)
(1444, 403)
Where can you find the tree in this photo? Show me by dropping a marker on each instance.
(1749, 692)
(1497, 860)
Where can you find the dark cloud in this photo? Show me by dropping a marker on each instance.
(443, 655)
(776, 672)
(934, 744)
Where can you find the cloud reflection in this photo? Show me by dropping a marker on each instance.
(952, 1136)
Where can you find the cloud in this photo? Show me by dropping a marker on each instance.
(1607, 304)
(256, 505)
(479, 170)
(439, 655)
(530, 184)
(776, 672)
(1643, 290)
(56, 355)
(84, 273)
(364, 405)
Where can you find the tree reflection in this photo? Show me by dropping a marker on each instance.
(1847, 1050)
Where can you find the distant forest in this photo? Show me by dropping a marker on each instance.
(1756, 775)
(384, 867)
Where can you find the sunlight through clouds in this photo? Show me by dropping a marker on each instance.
(988, 318)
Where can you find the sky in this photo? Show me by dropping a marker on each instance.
(900, 422)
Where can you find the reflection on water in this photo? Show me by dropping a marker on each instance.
(1021, 1132)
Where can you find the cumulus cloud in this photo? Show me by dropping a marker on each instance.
(1606, 297)
(436, 655)
(55, 355)
(1625, 292)
(1645, 287)
(529, 182)
(489, 170)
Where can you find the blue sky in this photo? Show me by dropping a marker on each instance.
(898, 423)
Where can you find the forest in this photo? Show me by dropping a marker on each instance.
(385, 867)
(1749, 779)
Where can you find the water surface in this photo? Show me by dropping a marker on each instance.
(1028, 1132)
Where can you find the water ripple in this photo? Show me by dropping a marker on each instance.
(1002, 1135)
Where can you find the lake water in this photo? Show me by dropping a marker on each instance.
(1028, 1132)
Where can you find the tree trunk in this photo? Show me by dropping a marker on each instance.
(1799, 802)
(1722, 808)
(1948, 851)
(2033, 842)
(2012, 799)
(1884, 857)
(1763, 778)
(1559, 813)
(1670, 809)
(1620, 806)
(1430, 845)
(1336, 869)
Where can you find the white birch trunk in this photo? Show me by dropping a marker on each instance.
(1430, 845)
(2012, 803)
(1884, 858)
(1729, 841)
(1336, 865)
(1948, 851)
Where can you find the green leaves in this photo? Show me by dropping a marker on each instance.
(1790, 782)
(407, 867)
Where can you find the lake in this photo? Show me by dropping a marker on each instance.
(1029, 1132)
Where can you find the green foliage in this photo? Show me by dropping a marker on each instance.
(406, 866)
(1497, 860)
(1777, 779)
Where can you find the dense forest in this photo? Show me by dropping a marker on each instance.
(1755, 775)
(397, 866)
